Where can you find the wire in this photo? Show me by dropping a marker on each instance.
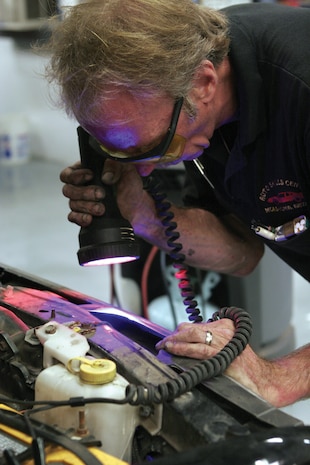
(10, 458)
(165, 392)
(38, 451)
(144, 280)
(37, 445)
(168, 292)
(17, 422)
(163, 207)
(207, 368)
(203, 370)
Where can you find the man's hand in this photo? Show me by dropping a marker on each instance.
(280, 382)
(85, 200)
(224, 245)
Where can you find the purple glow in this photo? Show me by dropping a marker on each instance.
(120, 138)
(110, 261)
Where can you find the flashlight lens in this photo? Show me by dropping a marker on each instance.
(110, 261)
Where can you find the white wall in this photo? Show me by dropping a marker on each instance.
(24, 90)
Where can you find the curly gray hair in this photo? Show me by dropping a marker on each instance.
(148, 47)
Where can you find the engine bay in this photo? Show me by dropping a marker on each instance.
(72, 368)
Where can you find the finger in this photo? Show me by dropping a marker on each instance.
(90, 208)
(112, 171)
(86, 193)
(185, 333)
(191, 339)
(198, 350)
(76, 175)
(81, 219)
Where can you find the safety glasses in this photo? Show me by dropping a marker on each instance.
(170, 148)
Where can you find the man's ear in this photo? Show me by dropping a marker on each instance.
(204, 83)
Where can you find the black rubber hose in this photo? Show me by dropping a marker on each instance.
(17, 422)
(285, 446)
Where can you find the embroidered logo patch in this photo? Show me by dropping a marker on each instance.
(282, 195)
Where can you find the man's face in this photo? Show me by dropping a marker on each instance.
(134, 126)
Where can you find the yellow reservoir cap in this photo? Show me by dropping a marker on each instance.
(93, 371)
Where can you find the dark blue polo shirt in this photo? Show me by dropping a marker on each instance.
(260, 165)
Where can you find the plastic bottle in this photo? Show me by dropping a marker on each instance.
(14, 139)
(113, 424)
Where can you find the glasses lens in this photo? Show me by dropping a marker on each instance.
(174, 151)
(115, 155)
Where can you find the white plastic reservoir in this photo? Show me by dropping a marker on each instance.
(112, 424)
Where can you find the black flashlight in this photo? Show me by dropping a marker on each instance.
(109, 238)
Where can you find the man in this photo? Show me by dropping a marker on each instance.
(157, 82)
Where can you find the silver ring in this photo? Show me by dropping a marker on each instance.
(209, 337)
